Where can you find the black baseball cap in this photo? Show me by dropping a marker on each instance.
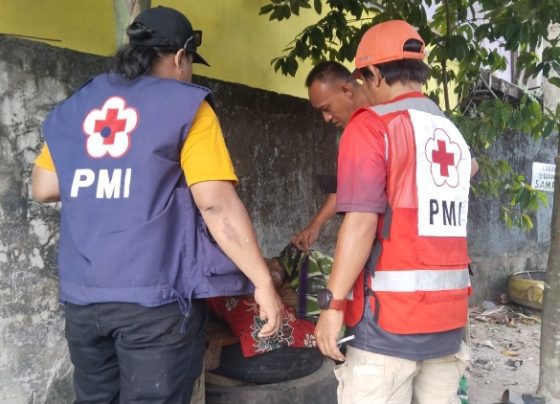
(171, 29)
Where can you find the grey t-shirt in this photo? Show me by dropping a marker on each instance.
(370, 337)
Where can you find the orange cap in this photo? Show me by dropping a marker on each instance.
(384, 43)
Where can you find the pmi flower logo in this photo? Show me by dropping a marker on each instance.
(108, 129)
(444, 156)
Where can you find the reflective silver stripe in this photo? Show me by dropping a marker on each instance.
(419, 103)
(420, 280)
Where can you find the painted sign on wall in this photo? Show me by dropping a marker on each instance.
(543, 176)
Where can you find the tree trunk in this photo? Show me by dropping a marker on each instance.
(125, 11)
(549, 377)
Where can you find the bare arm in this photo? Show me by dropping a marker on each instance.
(474, 167)
(309, 235)
(353, 247)
(230, 225)
(44, 185)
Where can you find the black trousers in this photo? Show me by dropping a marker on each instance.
(127, 353)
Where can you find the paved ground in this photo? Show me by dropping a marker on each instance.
(505, 352)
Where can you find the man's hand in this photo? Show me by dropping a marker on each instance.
(327, 332)
(271, 309)
(309, 235)
(306, 237)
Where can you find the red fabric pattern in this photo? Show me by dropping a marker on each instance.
(242, 316)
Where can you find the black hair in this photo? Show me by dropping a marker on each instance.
(402, 70)
(327, 71)
(133, 61)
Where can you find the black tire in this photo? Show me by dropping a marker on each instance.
(275, 366)
(318, 387)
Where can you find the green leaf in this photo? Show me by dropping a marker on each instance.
(275, 15)
(278, 63)
(537, 110)
(266, 9)
(457, 47)
(316, 37)
(554, 81)
(548, 127)
(543, 198)
(295, 9)
(291, 66)
(318, 6)
(506, 218)
(527, 223)
(301, 50)
(285, 11)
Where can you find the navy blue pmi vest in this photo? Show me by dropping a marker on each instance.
(130, 231)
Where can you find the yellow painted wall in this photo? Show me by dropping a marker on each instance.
(237, 42)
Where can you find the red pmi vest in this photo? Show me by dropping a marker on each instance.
(420, 282)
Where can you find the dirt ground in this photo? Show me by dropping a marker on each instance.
(505, 352)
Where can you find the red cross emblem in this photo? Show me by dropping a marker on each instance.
(443, 158)
(108, 129)
(109, 126)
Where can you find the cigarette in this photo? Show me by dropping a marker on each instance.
(345, 339)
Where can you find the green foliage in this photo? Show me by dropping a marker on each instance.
(458, 38)
(518, 199)
(330, 38)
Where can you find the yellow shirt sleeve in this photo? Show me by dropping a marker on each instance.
(204, 156)
(44, 159)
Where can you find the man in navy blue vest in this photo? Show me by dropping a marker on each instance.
(150, 221)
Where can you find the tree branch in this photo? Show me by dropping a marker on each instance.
(444, 58)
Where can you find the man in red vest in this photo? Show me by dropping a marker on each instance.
(400, 279)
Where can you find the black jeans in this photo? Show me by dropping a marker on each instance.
(129, 353)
